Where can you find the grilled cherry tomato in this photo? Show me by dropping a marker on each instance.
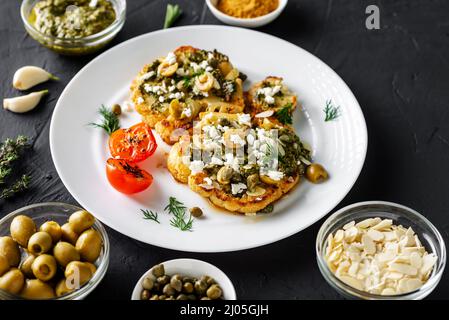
(134, 144)
(126, 177)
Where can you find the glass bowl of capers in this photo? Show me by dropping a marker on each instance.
(184, 279)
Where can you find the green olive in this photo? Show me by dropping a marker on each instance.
(10, 250)
(187, 287)
(64, 253)
(316, 173)
(12, 281)
(68, 234)
(79, 272)
(4, 264)
(196, 212)
(145, 295)
(22, 228)
(25, 266)
(200, 287)
(37, 289)
(40, 243)
(53, 229)
(81, 220)
(44, 267)
(148, 283)
(89, 245)
(158, 271)
(214, 292)
(176, 282)
(62, 289)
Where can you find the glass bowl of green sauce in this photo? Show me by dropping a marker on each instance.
(73, 27)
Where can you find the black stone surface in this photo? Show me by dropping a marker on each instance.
(399, 74)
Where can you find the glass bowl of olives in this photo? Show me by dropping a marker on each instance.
(73, 27)
(184, 279)
(51, 251)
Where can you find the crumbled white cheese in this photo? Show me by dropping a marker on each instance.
(187, 112)
(236, 139)
(170, 58)
(161, 99)
(171, 88)
(269, 99)
(237, 187)
(244, 119)
(147, 75)
(216, 161)
(275, 175)
(140, 100)
(269, 93)
(250, 139)
(196, 166)
(208, 181)
(209, 69)
(210, 56)
(93, 3)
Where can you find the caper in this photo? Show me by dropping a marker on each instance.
(40, 243)
(170, 298)
(117, 110)
(162, 297)
(224, 122)
(284, 138)
(205, 298)
(176, 283)
(316, 173)
(191, 297)
(148, 283)
(182, 297)
(252, 181)
(200, 287)
(145, 295)
(224, 175)
(214, 292)
(158, 271)
(196, 212)
(154, 297)
(163, 280)
(187, 287)
(168, 290)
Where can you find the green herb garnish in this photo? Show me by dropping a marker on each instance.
(172, 14)
(178, 210)
(284, 114)
(10, 151)
(110, 121)
(18, 186)
(150, 215)
(331, 112)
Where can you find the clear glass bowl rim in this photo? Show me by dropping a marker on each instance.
(102, 267)
(333, 220)
(118, 22)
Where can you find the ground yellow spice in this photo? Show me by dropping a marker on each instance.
(247, 8)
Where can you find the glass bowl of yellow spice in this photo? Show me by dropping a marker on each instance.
(246, 13)
(73, 27)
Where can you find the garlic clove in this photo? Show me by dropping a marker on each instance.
(25, 103)
(29, 76)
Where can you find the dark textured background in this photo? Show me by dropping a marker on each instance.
(399, 74)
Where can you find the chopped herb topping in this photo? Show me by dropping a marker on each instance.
(284, 115)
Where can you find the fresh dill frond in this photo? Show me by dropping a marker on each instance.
(172, 14)
(180, 219)
(18, 186)
(331, 112)
(110, 122)
(150, 215)
(284, 115)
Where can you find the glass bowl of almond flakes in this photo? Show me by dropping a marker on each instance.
(380, 251)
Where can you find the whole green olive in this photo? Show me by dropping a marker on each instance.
(10, 250)
(214, 292)
(89, 245)
(79, 272)
(64, 253)
(158, 270)
(53, 229)
(4, 265)
(22, 228)
(81, 220)
(37, 289)
(25, 266)
(12, 281)
(316, 173)
(44, 267)
(40, 243)
(148, 283)
(68, 234)
(62, 289)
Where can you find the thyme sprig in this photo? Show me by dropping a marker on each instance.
(172, 14)
(180, 219)
(110, 122)
(284, 115)
(18, 186)
(10, 151)
(150, 215)
(331, 112)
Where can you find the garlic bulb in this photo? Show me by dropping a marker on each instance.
(24, 103)
(29, 76)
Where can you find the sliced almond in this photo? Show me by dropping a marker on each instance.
(375, 235)
(403, 268)
(265, 114)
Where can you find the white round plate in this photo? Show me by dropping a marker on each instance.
(80, 151)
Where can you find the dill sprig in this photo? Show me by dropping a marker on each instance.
(284, 115)
(331, 112)
(180, 219)
(150, 215)
(172, 14)
(18, 186)
(10, 151)
(110, 121)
